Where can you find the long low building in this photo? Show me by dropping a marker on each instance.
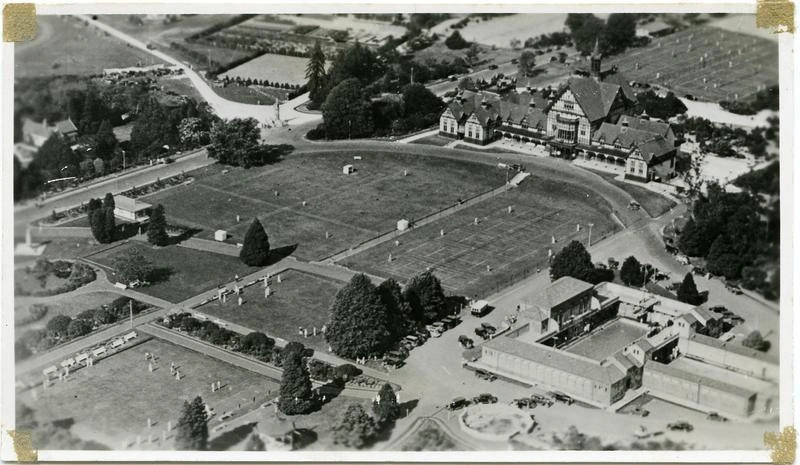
(710, 388)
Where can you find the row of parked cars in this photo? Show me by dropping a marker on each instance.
(461, 402)
(395, 358)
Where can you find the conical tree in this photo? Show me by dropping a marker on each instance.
(385, 406)
(687, 292)
(157, 229)
(192, 429)
(97, 220)
(315, 73)
(296, 396)
(255, 251)
(425, 295)
(359, 324)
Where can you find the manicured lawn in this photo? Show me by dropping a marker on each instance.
(350, 208)
(111, 401)
(69, 306)
(273, 68)
(244, 94)
(186, 272)
(512, 245)
(435, 139)
(653, 203)
(300, 300)
(65, 45)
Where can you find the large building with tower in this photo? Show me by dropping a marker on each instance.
(594, 116)
(607, 344)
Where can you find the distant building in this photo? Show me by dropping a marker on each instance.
(655, 28)
(128, 209)
(36, 134)
(591, 117)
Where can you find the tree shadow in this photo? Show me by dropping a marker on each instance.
(278, 254)
(174, 240)
(160, 274)
(406, 408)
(269, 154)
(330, 390)
(230, 438)
(65, 423)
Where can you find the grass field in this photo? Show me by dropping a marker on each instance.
(69, 306)
(671, 62)
(186, 272)
(300, 300)
(181, 86)
(653, 203)
(513, 244)
(435, 139)
(111, 401)
(244, 94)
(154, 29)
(351, 208)
(66, 45)
(273, 68)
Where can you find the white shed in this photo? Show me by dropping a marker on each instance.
(348, 169)
(220, 235)
(49, 370)
(402, 225)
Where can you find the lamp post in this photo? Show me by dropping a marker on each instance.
(589, 242)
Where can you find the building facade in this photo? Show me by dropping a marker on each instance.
(591, 117)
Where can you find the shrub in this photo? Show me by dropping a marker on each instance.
(37, 311)
(347, 371)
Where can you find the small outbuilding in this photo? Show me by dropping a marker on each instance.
(348, 169)
(220, 235)
(402, 225)
(133, 210)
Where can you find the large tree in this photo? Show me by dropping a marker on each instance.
(527, 63)
(132, 265)
(97, 220)
(359, 324)
(255, 250)
(455, 41)
(355, 428)
(620, 31)
(421, 107)
(315, 73)
(585, 29)
(157, 228)
(687, 291)
(385, 406)
(631, 272)
(191, 432)
(236, 142)
(346, 112)
(296, 394)
(573, 260)
(425, 296)
(110, 227)
(397, 308)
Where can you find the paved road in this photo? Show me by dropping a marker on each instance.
(25, 214)
(222, 107)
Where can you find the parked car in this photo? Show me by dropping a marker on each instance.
(561, 397)
(493, 66)
(718, 309)
(640, 411)
(542, 400)
(699, 270)
(634, 205)
(714, 416)
(457, 403)
(488, 328)
(734, 289)
(485, 375)
(680, 426)
(484, 398)
(525, 402)
(433, 331)
(482, 333)
(226, 416)
(466, 342)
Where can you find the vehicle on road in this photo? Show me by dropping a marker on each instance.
(542, 400)
(479, 308)
(640, 411)
(634, 205)
(735, 289)
(680, 426)
(714, 416)
(451, 321)
(561, 397)
(485, 398)
(226, 416)
(482, 333)
(433, 331)
(718, 309)
(488, 328)
(457, 403)
(466, 342)
(485, 375)
(524, 402)
(493, 66)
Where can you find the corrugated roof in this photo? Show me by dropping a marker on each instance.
(554, 358)
(696, 374)
(735, 348)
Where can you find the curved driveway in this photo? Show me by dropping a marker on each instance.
(222, 107)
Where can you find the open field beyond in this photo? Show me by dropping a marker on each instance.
(735, 64)
(68, 305)
(350, 208)
(111, 401)
(299, 300)
(503, 247)
(182, 272)
(273, 68)
(66, 45)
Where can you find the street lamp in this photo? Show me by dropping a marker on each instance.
(589, 242)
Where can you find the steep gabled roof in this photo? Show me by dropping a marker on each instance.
(657, 127)
(595, 98)
(66, 126)
(31, 127)
(615, 77)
